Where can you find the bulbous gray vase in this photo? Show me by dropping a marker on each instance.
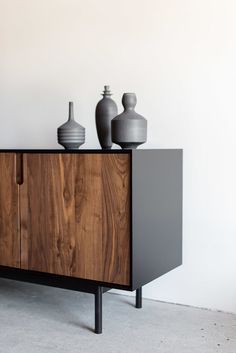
(106, 110)
(129, 129)
(71, 135)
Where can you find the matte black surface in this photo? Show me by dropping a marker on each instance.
(156, 214)
(98, 310)
(47, 279)
(63, 151)
(138, 303)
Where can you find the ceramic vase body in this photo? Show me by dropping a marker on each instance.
(71, 135)
(129, 129)
(106, 110)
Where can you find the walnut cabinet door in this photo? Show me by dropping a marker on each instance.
(9, 211)
(75, 215)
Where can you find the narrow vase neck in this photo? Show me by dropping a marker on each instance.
(129, 101)
(105, 95)
(71, 111)
(129, 109)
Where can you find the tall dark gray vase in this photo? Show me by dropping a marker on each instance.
(129, 129)
(106, 110)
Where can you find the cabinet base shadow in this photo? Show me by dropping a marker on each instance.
(76, 284)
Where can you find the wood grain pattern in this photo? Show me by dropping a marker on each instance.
(116, 217)
(47, 212)
(88, 249)
(9, 212)
(75, 215)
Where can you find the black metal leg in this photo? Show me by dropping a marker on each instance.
(98, 310)
(139, 298)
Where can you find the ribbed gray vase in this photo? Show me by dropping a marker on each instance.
(129, 129)
(71, 135)
(106, 110)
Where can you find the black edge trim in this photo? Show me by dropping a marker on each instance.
(59, 281)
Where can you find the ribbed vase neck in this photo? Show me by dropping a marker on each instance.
(106, 93)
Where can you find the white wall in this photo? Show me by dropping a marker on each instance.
(179, 56)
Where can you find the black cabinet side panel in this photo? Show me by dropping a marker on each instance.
(156, 214)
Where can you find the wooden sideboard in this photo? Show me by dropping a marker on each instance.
(90, 220)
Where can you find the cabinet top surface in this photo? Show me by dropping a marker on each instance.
(14, 150)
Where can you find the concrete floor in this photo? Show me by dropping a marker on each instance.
(37, 319)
